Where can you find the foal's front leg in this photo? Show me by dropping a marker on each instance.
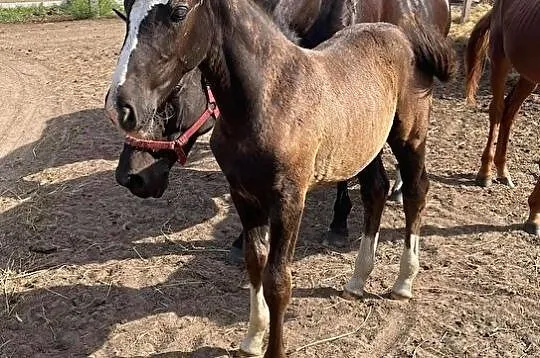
(255, 242)
(284, 224)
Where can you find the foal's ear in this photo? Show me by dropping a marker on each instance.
(120, 15)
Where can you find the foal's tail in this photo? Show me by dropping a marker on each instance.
(475, 55)
(434, 54)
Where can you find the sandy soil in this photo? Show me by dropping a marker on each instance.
(88, 270)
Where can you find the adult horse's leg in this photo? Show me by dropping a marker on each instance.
(499, 70)
(338, 233)
(374, 188)
(533, 223)
(285, 219)
(513, 102)
(255, 236)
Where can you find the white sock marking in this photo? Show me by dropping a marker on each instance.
(363, 265)
(408, 268)
(259, 319)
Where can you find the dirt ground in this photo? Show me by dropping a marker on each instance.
(86, 269)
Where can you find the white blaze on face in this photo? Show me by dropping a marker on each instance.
(138, 13)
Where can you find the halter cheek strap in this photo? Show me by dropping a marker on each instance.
(178, 144)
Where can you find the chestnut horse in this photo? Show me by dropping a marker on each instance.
(291, 119)
(509, 34)
(307, 22)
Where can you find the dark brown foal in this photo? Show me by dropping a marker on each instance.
(291, 119)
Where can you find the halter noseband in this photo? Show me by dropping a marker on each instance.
(178, 144)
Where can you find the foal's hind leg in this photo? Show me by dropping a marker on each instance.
(255, 236)
(513, 102)
(533, 223)
(499, 70)
(408, 142)
(374, 188)
(338, 233)
(411, 157)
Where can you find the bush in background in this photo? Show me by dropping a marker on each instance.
(73, 9)
(83, 9)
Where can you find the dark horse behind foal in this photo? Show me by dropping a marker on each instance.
(291, 119)
(307, 22)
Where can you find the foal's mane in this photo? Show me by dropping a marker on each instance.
(261, 9)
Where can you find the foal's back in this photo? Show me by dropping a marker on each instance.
(345, 98)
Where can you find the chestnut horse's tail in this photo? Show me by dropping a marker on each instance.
(434, 54)
(475, 55)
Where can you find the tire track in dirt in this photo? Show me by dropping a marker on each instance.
(396, 324)
(21, 118)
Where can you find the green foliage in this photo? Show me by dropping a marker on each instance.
(29, 14)
(83, 9)
(79, 9)
(73, 9)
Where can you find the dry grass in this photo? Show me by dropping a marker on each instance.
(459, 31)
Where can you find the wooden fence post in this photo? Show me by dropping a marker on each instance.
(466, 10)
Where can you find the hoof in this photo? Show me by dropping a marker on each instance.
(235, 256)
(506, 181)
(352, 295)
(334, 239)
(532, 228)
(242, 353)
(401, 296)
(396, 196)
(483, 182)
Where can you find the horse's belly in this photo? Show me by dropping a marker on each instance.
(342, 157)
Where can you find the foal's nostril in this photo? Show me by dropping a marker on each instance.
(135, 181)
(127, 117)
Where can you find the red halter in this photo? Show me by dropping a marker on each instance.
(178, 144)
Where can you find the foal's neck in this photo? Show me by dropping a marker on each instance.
(243, 58)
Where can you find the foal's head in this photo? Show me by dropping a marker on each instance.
(165, 39)
(145, 173)
(156, 91)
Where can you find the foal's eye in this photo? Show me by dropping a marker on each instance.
(179, 13)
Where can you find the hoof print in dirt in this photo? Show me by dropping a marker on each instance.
(43, 248)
